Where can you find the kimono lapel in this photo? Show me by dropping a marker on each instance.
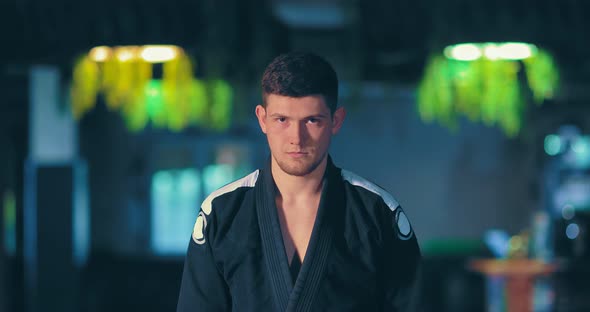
(299, 297)
(314, 265)
(272, 240)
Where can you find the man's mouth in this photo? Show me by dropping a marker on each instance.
(297, 154)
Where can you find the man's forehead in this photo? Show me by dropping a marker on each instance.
(310, 102)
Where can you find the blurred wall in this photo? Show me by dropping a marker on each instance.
(452, 185)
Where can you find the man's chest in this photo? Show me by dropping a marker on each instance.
(296, 228)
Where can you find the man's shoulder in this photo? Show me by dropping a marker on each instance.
(370, 194)
(369, 189)
(246, 182)
(208, 212)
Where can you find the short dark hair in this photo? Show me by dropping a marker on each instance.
(299, 74)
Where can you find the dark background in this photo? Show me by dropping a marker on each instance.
(453, 185)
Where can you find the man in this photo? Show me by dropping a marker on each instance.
(300, 234)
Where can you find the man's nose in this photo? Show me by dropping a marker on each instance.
(298, 133)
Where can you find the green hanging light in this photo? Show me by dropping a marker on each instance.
(481, 81)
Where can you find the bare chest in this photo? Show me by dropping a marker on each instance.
(296, 227)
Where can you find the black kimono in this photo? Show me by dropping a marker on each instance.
(362, 254)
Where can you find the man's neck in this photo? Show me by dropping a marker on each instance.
(292, 188)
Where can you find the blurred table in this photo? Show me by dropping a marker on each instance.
(519, 276)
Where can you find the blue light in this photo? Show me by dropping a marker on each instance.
(498, 242)
(567, 212)
(572, 231)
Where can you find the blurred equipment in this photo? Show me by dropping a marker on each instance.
(56, 216)
(567, 202)
(568, 192)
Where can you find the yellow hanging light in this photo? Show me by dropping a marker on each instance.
(123, 75)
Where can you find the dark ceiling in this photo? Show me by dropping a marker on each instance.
(378, 39)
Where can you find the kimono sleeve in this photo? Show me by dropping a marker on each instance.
(203, 287)
(401, 264)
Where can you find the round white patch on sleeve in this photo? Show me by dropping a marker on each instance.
(199, 229)
(403, 225)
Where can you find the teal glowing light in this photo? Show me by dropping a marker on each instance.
(216, 176)
(188, 182)
(175, 199)
(581, 146)
(553, 144)
(568, 212)
(581, 149)
(163, 182)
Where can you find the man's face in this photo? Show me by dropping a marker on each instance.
(299, 131)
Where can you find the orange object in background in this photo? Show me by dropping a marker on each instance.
(519, 275)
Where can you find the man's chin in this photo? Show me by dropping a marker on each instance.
(297, 167)
(297, 171)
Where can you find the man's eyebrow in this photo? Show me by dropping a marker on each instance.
(317, 116)
(306, 117)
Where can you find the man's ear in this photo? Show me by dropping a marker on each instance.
(261, 116)
(338, 119)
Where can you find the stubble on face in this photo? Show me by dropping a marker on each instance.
(297, 151)
(299, 167)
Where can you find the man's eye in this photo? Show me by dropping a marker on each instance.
(281, 119)
(313, 120)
